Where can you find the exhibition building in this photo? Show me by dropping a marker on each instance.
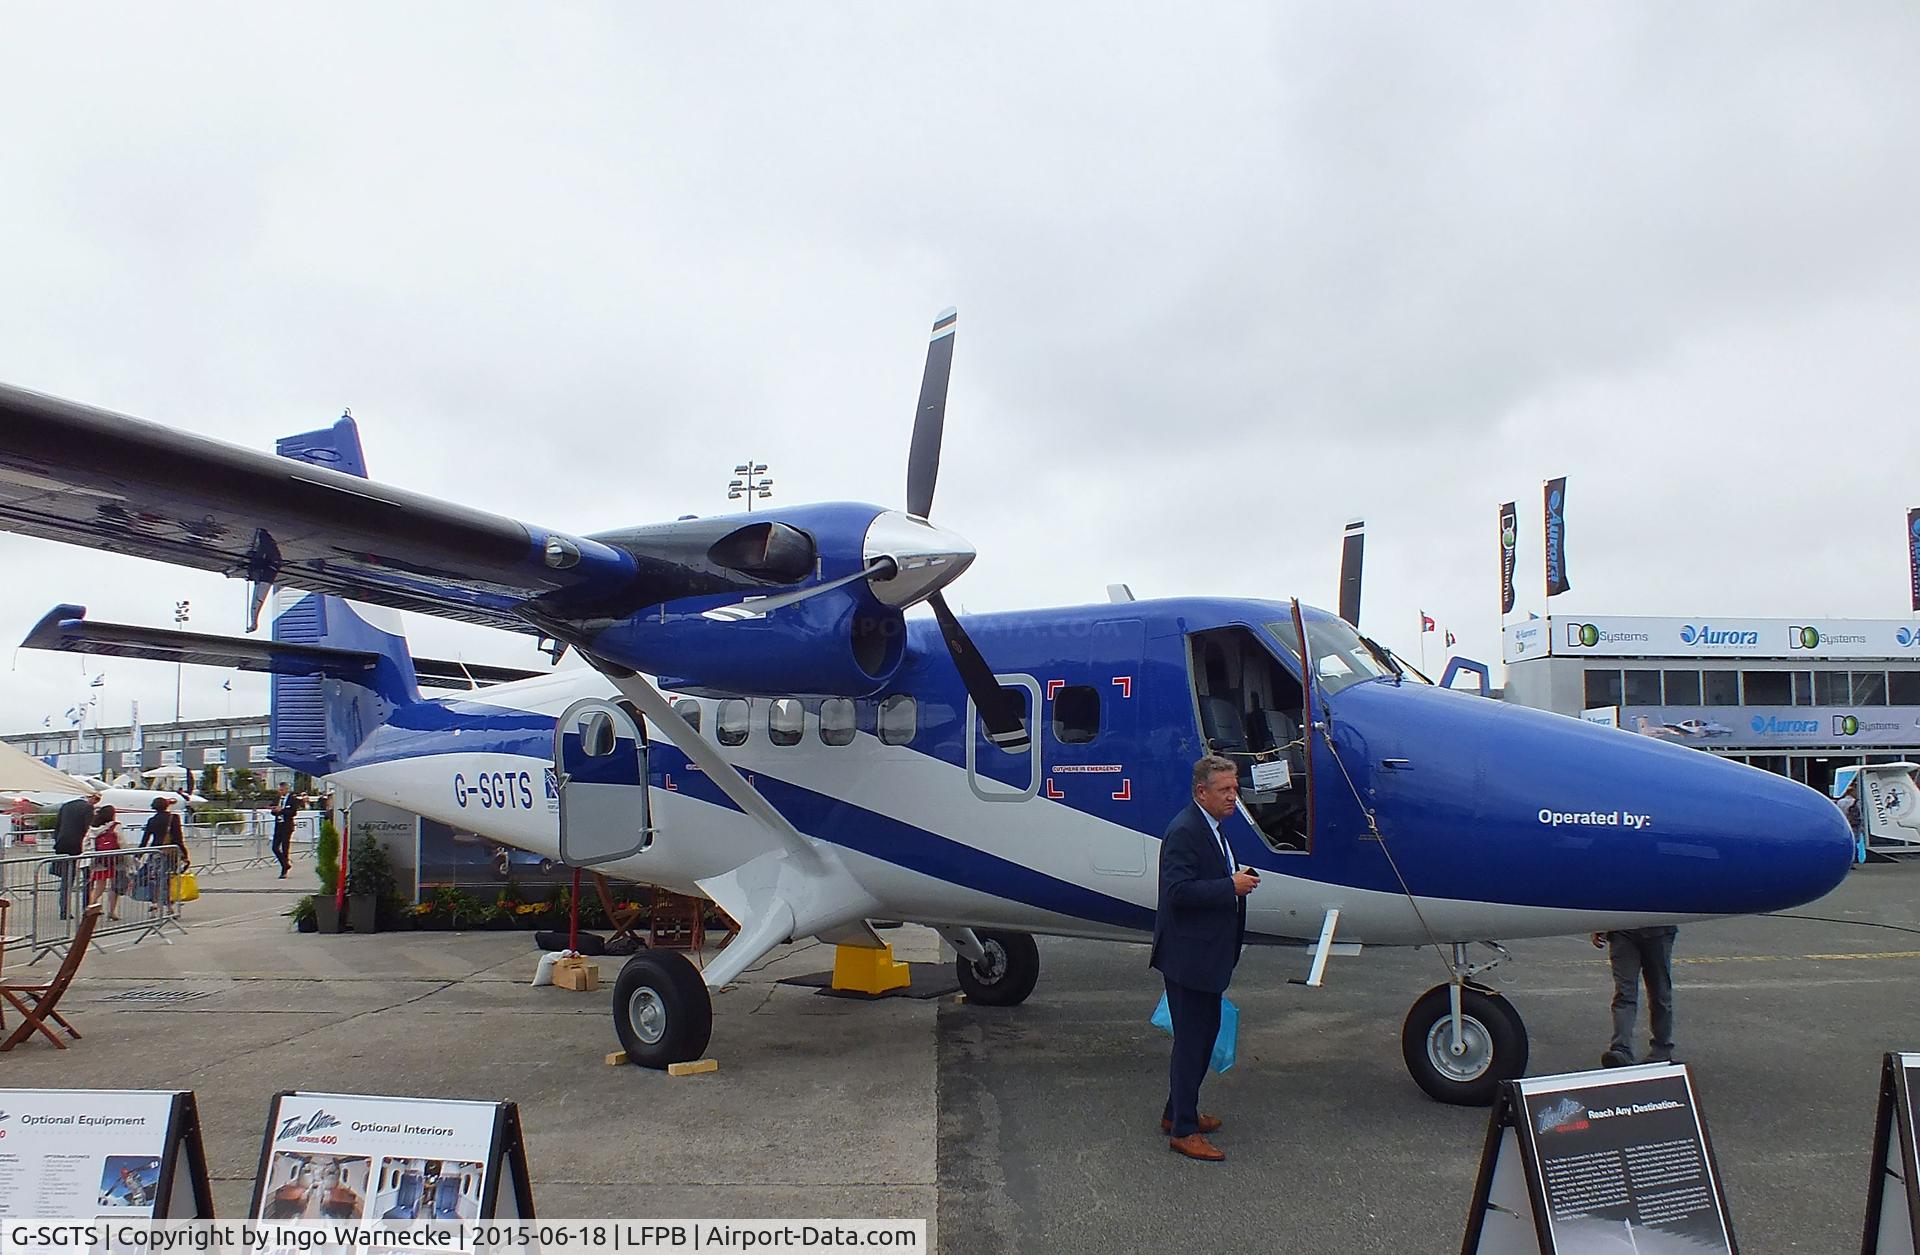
(1801, 697)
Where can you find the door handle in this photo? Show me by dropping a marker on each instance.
(1397, 764)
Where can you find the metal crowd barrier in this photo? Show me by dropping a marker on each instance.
(236, 845)
(48, 895)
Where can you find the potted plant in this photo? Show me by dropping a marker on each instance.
(326, 853)
(305, 915)
(370, 883)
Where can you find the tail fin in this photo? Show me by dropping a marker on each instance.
(318, 721)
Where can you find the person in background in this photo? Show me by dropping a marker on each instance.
(69, 838)
(285, 807)
(164, 828)
(1639, 954)
(109, 875)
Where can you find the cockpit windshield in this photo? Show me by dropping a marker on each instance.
(1340, 657)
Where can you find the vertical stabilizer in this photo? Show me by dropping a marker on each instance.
(318, 721)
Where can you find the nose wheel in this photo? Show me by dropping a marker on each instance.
(1006, 972)
(1463, 1066)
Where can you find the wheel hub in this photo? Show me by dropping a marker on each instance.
(994, 966)
(648, 1015)
(1476, 1049)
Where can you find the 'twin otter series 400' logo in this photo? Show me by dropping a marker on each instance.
(1705, 634)
(1588, 635)
(308, 1129)
(1569, 1115)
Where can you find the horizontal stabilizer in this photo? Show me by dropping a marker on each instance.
(68, 630)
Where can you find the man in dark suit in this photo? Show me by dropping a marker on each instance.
(285, 807)
(1197, 934)
(71, 822)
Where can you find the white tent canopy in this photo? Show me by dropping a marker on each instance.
(23, 774)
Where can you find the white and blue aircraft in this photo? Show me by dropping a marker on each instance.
(826, 761)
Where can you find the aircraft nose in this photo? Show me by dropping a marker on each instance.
(1789, 843)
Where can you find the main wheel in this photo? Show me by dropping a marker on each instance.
(1493, 1045)
(1007, 975)
(662, 1012)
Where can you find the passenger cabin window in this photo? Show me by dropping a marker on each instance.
(836, 721)
(730, 720)
(786, 719)
(1076, 714)
(689, 710)
(899, 720)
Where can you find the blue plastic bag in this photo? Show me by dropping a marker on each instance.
(1225, 1045)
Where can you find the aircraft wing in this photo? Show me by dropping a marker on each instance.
(86, 476)
(67, 629)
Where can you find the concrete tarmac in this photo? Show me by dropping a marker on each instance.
(1020, 1129)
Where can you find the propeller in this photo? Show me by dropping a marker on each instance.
(1000, 710)
(907, 559)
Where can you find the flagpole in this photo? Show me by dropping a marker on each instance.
(1423, 642)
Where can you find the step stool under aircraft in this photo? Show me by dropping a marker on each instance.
(827, 761)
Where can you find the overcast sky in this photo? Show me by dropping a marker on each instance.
(1227, 277)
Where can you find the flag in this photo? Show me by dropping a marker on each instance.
(135, 741)
(1913, 555)
(73, 716)
(97, 680)
(1426, 623)
(1509, 536)
(46, 721)
(1556, 527)
(1450, 639)
(227, 684)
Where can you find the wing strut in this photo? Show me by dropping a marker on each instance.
(796, 888)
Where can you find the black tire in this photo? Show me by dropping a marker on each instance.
(1008, 975)
(662, 1012)
(1494, 1036)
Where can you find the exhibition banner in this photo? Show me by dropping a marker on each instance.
(1804, 639)
(107, 1154)
(1509, 537)
(1598, 1162)
(356, 1157)
(1556, 533)
(1913, 556)
(1768, 727)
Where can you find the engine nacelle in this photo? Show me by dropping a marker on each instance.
(844, 643)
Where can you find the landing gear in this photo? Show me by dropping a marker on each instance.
(662, 1012)
(1005, 974)
(1462, 1059)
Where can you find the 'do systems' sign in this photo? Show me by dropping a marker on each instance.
(1623, 637)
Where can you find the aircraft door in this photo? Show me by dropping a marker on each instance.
(1252, 709)
(998, 775)
(600, 770)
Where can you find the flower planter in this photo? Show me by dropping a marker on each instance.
(326, 915)
(363, 913)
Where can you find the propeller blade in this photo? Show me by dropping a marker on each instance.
(930, 417)
(758, 607)
(1352, 551)
(999, 709)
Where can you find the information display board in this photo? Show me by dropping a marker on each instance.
(1593, 1163)
(82, 1154)
(1893, 1195)
(365, 1158)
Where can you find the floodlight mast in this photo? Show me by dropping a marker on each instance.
(751, 484)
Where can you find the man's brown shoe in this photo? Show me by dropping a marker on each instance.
(1208, 1124)
(1194, 1146)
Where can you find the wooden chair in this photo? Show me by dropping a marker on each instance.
(38, 1003)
